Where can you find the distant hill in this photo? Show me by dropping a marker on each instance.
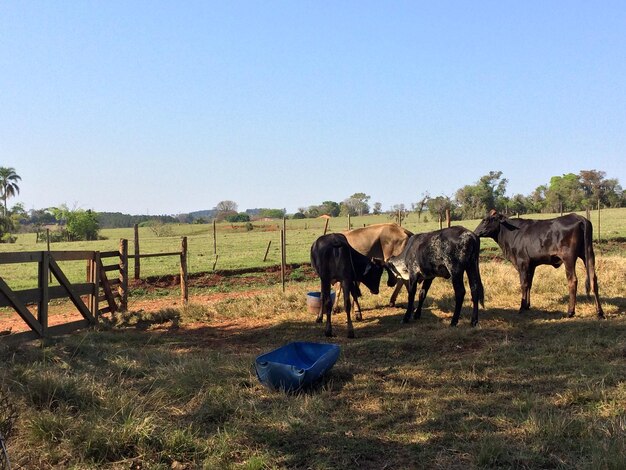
(207, 214)
(119, 220)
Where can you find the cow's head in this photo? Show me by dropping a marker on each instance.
(372, 274)
(490, 225)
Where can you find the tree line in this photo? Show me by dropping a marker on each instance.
(566, 193)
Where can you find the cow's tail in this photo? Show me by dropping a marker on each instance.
(590, 257)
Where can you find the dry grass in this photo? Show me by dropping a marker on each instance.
(175, 388)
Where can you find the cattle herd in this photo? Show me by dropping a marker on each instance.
(362, 255)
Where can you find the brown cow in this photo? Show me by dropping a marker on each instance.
(379, 241)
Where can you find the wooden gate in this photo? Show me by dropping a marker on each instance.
(86, 296)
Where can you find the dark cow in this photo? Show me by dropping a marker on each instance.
(334, 260)
(446, 253)
(529, 243)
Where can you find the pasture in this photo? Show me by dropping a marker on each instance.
(238, 248)
(172, 386)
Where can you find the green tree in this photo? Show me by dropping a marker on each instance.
(8, 185)
(564, 192)
(357, 204)
(331, 208)
(437, 206)
(82, 225)
(487, 193)
(597, 188)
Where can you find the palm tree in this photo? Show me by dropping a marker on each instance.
(8, 185)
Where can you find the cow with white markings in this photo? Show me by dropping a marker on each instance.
(447, 253)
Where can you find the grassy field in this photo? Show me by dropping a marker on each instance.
(165, 386)
(173, 387)
(238, 248)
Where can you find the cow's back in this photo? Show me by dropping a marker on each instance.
(380, 241)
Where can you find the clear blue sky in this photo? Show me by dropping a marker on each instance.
(171, 107)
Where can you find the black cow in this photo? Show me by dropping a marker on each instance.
(529, 243)
(335, 260)
(446, 253)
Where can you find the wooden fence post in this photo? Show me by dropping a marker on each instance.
(349, 224)
(137, 259)
(42, 308)
(48, 243)
(598, 220)
(440, 221)
(588, 213)
(282, 258)
(448, 218)
(326, 226)
(94, 278)
(123, 287)
(184, 292)
(214, 239)
(267, 250)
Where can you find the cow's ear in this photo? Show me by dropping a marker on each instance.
(492, 212)
(367, 269)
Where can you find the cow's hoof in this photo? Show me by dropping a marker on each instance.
(392, 304)
(453, 324)
(359, 317)
(474, 323)
(601, 315)
(328, 334)
(351, 334)
(570, 314)
(318, 320)
(404, 320)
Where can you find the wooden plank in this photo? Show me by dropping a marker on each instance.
(20, 308)
(42, 308)
(105, 310)
(75, 298)
(122, 289)
(95, 278)
(111, 267)
(109, 254)
(21, 257)
(154, 255)
(33, 296)
(72, 255)
(106, 288)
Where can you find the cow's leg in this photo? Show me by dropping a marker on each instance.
(396, 291)
(349, 288)
(356, 308)
(420, 300)
(530, 274)
(412, 288)
(592, 279)
(476, 290)
(523, 279)
(327, 305)
(338, 291)
(572, 282)
(323, 289)
(459, 295)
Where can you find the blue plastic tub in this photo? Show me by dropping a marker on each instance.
(295, 365)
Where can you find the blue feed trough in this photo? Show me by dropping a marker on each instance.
(295, 365)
